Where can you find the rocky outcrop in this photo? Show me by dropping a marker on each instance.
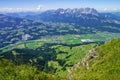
(84, 62)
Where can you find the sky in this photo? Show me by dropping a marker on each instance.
(37, 5)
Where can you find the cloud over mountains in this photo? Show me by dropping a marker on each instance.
(8, 9)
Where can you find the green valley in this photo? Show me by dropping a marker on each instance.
(59, 44)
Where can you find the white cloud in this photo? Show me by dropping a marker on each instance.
(105, 9)
(40, 7)
(110, 9)
(116, 9)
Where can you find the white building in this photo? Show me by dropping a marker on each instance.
(87, 40)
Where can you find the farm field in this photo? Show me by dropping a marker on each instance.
(63, 39)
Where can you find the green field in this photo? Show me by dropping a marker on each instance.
(57, 56)
(63, 39)
(54, 54)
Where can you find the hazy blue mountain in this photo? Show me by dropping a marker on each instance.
(55, 22)
(21, 14)
(82, 16)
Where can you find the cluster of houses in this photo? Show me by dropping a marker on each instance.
(87, 40)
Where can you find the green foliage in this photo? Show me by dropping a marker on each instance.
(13, 28)
(104, 67)
(58, 58)
(9, 71)
(49, 57)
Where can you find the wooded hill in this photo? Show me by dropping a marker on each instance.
(101, 63)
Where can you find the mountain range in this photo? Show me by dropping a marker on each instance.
(55, 22)
(61, 44)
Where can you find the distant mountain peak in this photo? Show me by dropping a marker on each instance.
(77, 10)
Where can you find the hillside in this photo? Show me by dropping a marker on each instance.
(104, 67)
(61, 43)
(101, 63)
(87, 17)
(9, 71)
(55, 23)
(51, 58)
(59, 39)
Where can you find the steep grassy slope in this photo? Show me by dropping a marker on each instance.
(50, 58)
(59, 59)
(104, 67)
(9, 71)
